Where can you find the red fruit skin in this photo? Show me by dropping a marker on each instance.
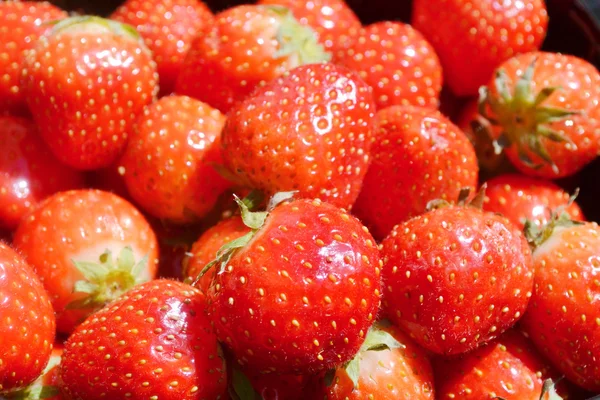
(456, 278)
(169, 160)
(298, 299)
(161, 322)
(86, 121)
(80, 225)
(281, 387)
(168, 28)
(28, 324)
(473, 37)
(562, 317)
(520, 198)
(21, 24)
(334, 22)
(29, 172)
(109, 179)
(398, 63)
(310, 131)
(419, 156)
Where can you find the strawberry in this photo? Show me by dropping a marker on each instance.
(544, 111)
(28, 324)
(154, 342)
(562, 319)
(21, 23)
(168, 164)
(472, 37)
(253, 385)
(168, 28)
(310, 131)
(88, 247)
(419, 156)
(109, 179)
(520, 198)
(507, 368)
(299, 292)
(456, 277)
(333, 21)
(85, 121)
(398, 63)
(29, 172)
(46, 386)
(247, 46)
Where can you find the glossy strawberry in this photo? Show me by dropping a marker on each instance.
(169, 162)
(419, 156)
(21, 23)
(333, 21)
(29, 172)
(310, 131)
(544, 111)
(153, 342)
(247, 46)
(28, 326)
(85, 82)
(472, 37)
(520, 198)
(88, 247)
(456, 277)
(297, 294)
(46, 386)
(398, 63)
(168, 28)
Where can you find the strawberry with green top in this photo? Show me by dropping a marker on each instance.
(245, 47)
(88, 247)
(46, 386)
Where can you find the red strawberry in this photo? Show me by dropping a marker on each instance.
(21, 23)
(310, 131)
(247, 46)
(29, 172)
(333, 21)
(472, 37)
(46, 386)
(562, 319)
(398, 63)
(299, 292)
(168, 28)
(88, 247)
(520, 198)
(545, 114)
(85, 82)
(154, 342)
(507, 368)
(419, 156)
(253, 385)
(169, 160)
(456, 277)
(28, 325)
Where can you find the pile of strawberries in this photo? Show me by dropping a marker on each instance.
(267, 203)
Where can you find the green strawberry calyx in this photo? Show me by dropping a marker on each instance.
(94, 25)
(107, 279)
(462, 201)
(522, 117)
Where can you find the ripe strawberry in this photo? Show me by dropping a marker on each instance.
(246, 46)
(21, 23)
(169, 160)
(562, 318)
(456, 277)
(333, 21)
(299, 292)
(253, 385)
(398, 63)
(29, 172)
(154, 342)
(544, 109)
(472, 37)
(310, 131)
(46, 386)
(88, 247)
(168, 28)
(419, 156)
(507, 368)
(85, 82)
(28, 325)
(520, 198)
